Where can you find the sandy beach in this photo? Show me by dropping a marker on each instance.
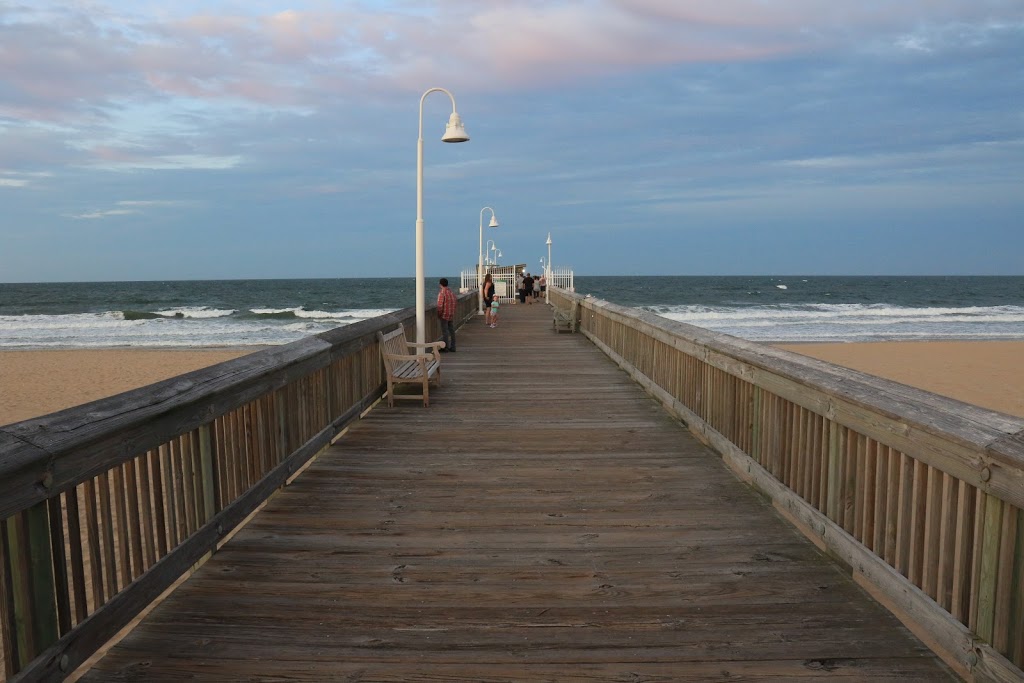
(989, 374)
(33, 383)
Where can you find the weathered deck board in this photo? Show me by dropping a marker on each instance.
(542, 520)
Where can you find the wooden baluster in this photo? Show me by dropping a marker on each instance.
(77, 555)
(60, 585)
(208, 476)
(991, 535)
(34, 618)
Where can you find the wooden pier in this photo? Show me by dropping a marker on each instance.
(543, 519)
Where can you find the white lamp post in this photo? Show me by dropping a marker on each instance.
(491, 247)
(480, 261)
(547, 275)
(453, 132)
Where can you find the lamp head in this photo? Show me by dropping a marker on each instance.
(493, 223)
(455, 131)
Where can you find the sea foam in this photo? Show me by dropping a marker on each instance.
(851, 322)
(173, 327)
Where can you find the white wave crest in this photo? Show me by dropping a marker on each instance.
(272, 311)
(106, 320)
(351, 314)
(852, 322)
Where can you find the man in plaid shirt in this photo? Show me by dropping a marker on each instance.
(446, 314)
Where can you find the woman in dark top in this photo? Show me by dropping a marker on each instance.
(488, 297)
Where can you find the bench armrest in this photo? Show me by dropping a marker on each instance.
(427, 345)
(433, 346)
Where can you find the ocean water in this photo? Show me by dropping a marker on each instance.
(828, 309)
(267, 312)
(189, 313)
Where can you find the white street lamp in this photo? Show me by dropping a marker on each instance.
(454, 132)
(547, 275)
(480, 261)
(489, 249)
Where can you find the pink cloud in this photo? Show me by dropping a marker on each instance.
(498, 46)
(801, 15)
(74, 64)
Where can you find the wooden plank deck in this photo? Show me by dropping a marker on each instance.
(543, 520)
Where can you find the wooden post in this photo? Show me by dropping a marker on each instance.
(991, 534)
(6, 607)
(1016, 652)
(33, 624)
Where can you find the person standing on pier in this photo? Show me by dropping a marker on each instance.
(488, 294)
(446, 315)
(526, 293)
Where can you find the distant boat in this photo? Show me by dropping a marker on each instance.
(782, 286)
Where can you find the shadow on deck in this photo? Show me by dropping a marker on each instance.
(543, 520)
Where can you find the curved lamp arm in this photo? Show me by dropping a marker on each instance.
(454, 131)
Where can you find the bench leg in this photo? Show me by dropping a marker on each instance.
(391, 393)
(426, 391)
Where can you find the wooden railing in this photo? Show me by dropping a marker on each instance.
(104, 506)
(919, 495)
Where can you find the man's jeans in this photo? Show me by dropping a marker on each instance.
(448, 334)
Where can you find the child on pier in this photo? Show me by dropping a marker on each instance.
(494, 312)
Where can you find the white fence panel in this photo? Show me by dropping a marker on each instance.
(561, 277)
(504, 278)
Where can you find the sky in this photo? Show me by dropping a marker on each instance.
(156, 140)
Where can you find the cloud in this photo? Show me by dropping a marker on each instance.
(129, 207)
(121, 87)
(978, 155)
(201, 162)
(20, 179)
(62, 61)
(101, 214)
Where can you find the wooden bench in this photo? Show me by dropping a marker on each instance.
(565, 320)
(403, 366)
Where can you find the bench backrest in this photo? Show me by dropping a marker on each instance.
(393, 343)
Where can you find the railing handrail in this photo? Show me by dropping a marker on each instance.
(195, 453)
(42, 456)
(921, 496)
(994, 438)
